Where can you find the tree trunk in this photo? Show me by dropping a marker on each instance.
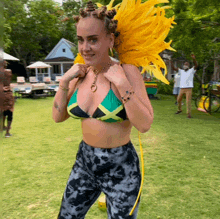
(18, 54)
(203, 76)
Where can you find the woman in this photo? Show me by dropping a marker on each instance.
(110, 99)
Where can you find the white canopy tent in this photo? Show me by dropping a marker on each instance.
(6, 56)
(39, 65)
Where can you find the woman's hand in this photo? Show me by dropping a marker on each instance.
(115, 74)
(77, 70)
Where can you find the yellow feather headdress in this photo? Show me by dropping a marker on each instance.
(143, 29)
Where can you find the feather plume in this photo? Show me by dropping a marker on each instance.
(143, 29)
(79, 59)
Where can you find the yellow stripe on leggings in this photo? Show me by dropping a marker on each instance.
(142, 172)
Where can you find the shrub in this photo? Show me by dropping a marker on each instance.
(165, 88)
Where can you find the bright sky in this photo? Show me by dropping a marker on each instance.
(59, 1)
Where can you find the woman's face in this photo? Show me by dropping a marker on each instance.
(93, 42)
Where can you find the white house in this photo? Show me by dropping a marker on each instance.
(60, 58)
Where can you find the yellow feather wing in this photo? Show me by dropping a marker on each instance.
(143, 29)
(79, 59)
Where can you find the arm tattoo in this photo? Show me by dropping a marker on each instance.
(57, 107)
(75, 75)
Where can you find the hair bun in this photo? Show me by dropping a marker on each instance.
(102, 12)
(76, 18)
(111, 14)
(116, 33)
(82, 13)
(65, 19)
(90, 6)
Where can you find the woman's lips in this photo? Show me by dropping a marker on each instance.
(88, 56)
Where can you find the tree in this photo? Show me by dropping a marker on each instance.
(5, 28)
(6, 36)
(35, 28)
(71, 8)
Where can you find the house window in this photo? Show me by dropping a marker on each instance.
(56, 69)
(64, 50)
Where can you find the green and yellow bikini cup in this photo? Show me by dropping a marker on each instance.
(110, 109)
(143, 29)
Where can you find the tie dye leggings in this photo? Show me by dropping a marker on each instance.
(115, 172)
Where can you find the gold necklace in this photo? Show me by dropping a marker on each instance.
(96, 71)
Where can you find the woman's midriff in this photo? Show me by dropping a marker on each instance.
(101, 134)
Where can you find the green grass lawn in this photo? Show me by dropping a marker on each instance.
(181, 156)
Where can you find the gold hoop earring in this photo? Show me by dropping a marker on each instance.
(111, 52)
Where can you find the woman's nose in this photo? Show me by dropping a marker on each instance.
(86, 46)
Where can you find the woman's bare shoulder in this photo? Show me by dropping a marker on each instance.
(130, 67)
(132, 72)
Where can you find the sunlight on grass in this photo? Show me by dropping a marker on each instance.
(181, 157)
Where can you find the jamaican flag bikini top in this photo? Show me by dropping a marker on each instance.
(109, 110)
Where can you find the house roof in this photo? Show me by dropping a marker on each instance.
(72, 44)
(56, 52)
(59, 59)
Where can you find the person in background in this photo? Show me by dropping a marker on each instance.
(186, 84)
(8, 100)
(176, 86)
(1, 96)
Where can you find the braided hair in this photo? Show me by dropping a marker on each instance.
(102, 14)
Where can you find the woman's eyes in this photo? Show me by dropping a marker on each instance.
(93, 40)
(90, 40)
(80, 40)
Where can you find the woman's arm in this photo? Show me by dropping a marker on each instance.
(61, 100)
(139, 109)
(65, 91)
